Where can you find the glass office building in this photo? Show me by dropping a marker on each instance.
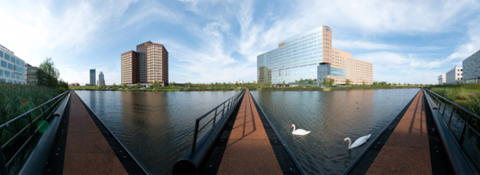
(310, 56)
(12, 68)
(471, 68)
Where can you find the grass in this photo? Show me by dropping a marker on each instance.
(465, 95)
(15, 100)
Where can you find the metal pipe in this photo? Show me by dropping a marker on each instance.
(195, 136)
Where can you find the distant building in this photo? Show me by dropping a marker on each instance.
(454, 76)
(31, 74)
(101, 79)
(129, 67)
(74, 84)
(442, 79)
(471, 68)
(147, 65)
(92, 77)
(239, 82)
(310, 56)
(12, 68)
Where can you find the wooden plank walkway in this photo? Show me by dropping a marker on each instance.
(248, 149)
(407, 150)
(87, 151)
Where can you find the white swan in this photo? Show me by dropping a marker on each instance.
(357, 142)
(299, 131)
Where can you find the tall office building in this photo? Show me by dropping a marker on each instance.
(12, 68)
(147, 65)
(92, 77)
(101, 79)
(471, 68)
(310, 55)
(455, 76)
(31, 75)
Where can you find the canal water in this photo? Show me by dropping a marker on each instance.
(157, 127)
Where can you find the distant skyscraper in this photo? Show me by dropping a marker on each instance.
(471, 68)
(101, 79)
(31, 74)
(92, 77)
(147, 65)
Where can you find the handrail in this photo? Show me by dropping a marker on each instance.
(190, 163)
(51, 105)
(197, 121)
(457, 121)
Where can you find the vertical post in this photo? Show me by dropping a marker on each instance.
(3, 168)
(214, 118)
(450, 120)
(444, 107)
(195, 137)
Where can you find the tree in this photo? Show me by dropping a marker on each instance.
(325, 82)
(114, 85)
(62, 85)
(331, 81)
(310, 82)
(347, 82)
(301, 81)
(283, 83)
(155, 84)
(47, 74)
(138, 85)
(172, 83)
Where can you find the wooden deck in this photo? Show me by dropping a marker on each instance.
(87, 151)
(248, 149)
(407, 150)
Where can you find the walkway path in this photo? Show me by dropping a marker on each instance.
(87, 151)
(248, 149)
(407, 150)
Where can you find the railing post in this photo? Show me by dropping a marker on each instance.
(444, 107)
(214, 118)
(195, 137)
(450, 119)
(3, 167)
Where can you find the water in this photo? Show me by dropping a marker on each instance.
(331, 116)
(157, 127)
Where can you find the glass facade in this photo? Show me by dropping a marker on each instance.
(295, 59)
(12, 68)
(310, 56)
(471, 68)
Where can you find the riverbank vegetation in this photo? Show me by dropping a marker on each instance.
(465, 95)
(299, 86)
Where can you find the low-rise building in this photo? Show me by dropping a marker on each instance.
(12, 68)
(442, 79)
(471, 68)
(454, 76)
(31, 74)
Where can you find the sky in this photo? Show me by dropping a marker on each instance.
(219, 40)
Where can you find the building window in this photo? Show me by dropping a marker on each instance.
(1, 54)
(10, 66)
(7, 57)
(4, 64)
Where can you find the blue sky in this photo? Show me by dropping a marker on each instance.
(218, 40)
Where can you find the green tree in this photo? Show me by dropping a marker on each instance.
(155, 84)
(331, 81)
(325, 82)
(301, 80)
(138, 85)
(172, 84)
(283, 83)
(347, 82)
(310, 81)
(47, 74)
(62, 85)
(114, 85)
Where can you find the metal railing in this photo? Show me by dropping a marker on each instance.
(13, 151)
(204, 139)
(462, 124)
(220, 109)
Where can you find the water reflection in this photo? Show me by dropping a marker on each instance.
(156, 127)
(331, 116)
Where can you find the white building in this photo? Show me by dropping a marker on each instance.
(454, 76)
(239, 82)
(12, 68)
(442, 79)
(101, 79)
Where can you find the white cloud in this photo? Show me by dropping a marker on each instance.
(470, 47)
